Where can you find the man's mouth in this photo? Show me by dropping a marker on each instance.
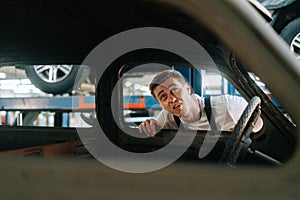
(178, 106)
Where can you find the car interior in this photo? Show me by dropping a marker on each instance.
(53, 139)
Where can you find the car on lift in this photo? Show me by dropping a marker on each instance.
(77, 28)
(56, 79)
(286, 21)
(60, 79)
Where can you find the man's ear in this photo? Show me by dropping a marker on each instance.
(156, 99)
(188, 87)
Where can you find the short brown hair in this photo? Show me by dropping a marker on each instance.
(162, 76)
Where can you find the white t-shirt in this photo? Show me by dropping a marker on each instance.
(226, 110)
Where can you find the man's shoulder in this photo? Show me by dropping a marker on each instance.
(164, 115)
(222, 99)
(228, 98)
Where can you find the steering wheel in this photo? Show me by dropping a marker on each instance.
(240, 138)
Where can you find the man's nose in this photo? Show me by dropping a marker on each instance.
(172, 97)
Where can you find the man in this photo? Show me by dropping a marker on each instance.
(174, 95)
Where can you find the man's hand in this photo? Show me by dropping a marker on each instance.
(258, 125)
(150, 127)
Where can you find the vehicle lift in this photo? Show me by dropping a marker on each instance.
(30, 107)
(22, 139)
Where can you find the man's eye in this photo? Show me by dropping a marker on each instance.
(174, 90)
(163, 97)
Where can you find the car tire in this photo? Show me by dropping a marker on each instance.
(65, 79)
(291, 34)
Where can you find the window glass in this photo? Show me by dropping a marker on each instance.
(215, 84)
(138, 103)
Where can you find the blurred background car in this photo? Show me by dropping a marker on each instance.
(286, 21)
(56, 79)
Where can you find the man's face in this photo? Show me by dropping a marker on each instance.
(172, 96)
